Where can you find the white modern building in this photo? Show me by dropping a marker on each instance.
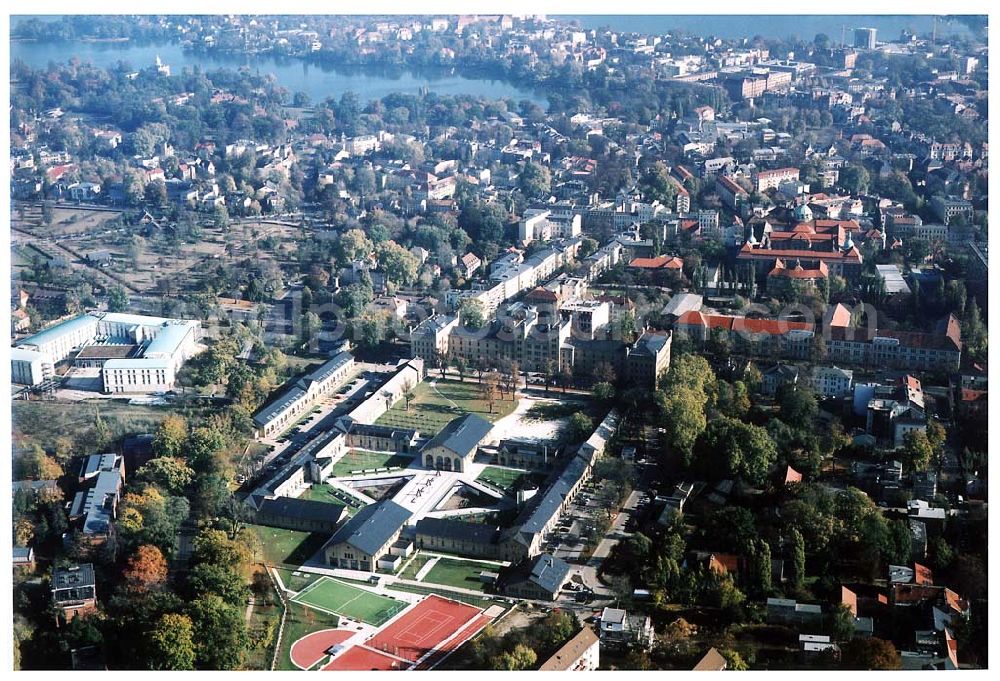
(136, 353)
(544, 225)
(29, 367)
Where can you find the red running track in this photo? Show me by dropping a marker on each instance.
(312, 648)
(362, 659)
(423, 628)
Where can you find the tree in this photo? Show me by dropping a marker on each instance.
(472, 314)
(171, 643)
(734, 661)
(521, 657)
(146, 569)
(535, 181)
(729, 447)
(604, 392)
(760, 568)
(579, 428)
(605, 373)
(400, 266)
(841, 621)
(168, 472)
(936, 436)
(353, 245)
(917, 450)
(731, 529)
(206, 579)
(170, 436)
(220, 217)
(489, 386)
(798, 549)
(868, 654)
(854, 178)
(219, 633)
(117, 299)
(798, 405)
(691, 371)
(682, 415)
(656, 185)
(215, 547)
(24, 531)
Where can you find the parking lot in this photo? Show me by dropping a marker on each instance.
(581, 519)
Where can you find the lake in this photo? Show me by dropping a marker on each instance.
(297, 75)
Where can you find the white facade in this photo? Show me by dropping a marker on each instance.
(543, 225)
(138, 375)
(29, 367)
(832, 381)
(59, 341)
(167, 344)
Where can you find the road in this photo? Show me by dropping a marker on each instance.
(615, 534)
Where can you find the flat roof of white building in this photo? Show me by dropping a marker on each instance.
(26, 355)
(140, 363)
(58, 330)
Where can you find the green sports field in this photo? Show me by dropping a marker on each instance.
(507, 478)
(330, 595)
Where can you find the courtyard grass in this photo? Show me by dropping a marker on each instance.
(288, 547)
(458, 573)
(331, 495)
(358, 460)
(413, 567)
(295, 582)
(436, 402)
(331, 595)
(507, 479)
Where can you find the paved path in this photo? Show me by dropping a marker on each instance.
(614, 535)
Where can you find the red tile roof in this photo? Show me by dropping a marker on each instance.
(772, 327)
(661, 262)
(955, 602)
(922, 575)
(792, 476)
(850, 599)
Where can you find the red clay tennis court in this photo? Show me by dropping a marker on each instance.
(424, 627)
(362, 659)
(470, 630)
(312, 648)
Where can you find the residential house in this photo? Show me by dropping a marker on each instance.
(74, 591)
(580, 654)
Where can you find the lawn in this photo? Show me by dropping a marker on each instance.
(413, 567)
(331, 495)
(295, 582)
(299, 621)
(358, 460)
(332, 596)
(507, 479)
(458, 573)
(291, 547)
(437, 402)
